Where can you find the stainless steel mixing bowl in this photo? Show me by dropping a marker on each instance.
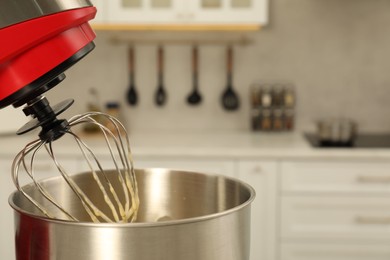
(182, 216)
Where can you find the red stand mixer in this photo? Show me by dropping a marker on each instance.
(39, 41)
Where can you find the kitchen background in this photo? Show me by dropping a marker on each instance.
(309, 201)
(335, 52)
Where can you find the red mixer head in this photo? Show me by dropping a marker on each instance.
(36, 49)
(39, 40)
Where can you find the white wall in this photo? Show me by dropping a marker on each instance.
(336, 52)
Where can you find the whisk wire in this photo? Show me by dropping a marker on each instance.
(107, 133)
(131, 181)
(29, 169)
(19, 160)
(108, 201)
(128, 169)
(89, 207)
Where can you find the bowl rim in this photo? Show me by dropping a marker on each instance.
(191, 220)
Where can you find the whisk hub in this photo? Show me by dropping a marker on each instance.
(46, 116)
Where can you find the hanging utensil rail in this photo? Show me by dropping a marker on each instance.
(240, 41)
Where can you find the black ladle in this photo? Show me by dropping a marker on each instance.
(195, 98)
(230, 100)
(160, 96)
(132, 96)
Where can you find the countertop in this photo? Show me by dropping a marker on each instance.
(222, 144)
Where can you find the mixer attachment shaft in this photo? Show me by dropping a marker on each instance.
(45, 116)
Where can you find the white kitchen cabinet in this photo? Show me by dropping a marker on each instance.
(337, 251)
(333, 200)
(262, 176)
(335, 210)
(197, 12)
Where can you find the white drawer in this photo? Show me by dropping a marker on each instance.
(337, 251)
(354, 218)
(333, 177)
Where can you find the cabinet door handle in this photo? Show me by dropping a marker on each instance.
(190, 15)
(373, 179)
(366, 220)
(180, 15)
(257, 170)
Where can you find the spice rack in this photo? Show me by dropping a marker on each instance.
(272, 107)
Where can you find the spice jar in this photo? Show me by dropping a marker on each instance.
(277, 96)
(277, 120)
(255, 96)
(266, 97)
(256, 119)
(266, 119)
(289, 97)
(289, 119)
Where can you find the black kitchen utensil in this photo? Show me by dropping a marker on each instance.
(230, 100)
(132, 96)
(160, 96)
(194, 97)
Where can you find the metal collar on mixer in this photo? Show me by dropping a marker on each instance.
(12, 12)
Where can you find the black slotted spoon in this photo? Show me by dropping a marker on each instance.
(132, 95)
(230, 99)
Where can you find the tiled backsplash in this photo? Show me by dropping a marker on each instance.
(335, 52)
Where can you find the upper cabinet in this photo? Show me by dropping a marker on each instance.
(228, 11)
(101, 15)
(128, 13)
(143, 11)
